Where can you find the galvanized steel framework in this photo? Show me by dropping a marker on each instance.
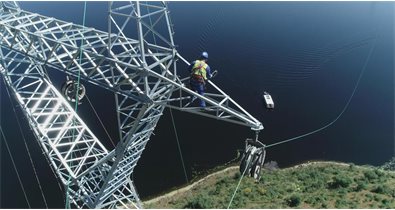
(142, 73)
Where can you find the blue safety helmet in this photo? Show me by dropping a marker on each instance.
(205, 55)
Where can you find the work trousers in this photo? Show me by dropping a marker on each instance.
(199, 88)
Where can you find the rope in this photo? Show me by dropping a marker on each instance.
(322, 128)
(171, 112)
(178, 144)
(238, 185)
(80, 60)
(16, 170)
(28, 151)
(101, 122)
(150, 20)
(76, 100)
(344, 108)
(1, 160)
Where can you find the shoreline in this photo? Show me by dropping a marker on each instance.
(190, 186)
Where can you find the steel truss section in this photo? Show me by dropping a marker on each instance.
(141, 72)
(78, 157)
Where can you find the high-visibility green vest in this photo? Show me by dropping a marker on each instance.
(199, 69)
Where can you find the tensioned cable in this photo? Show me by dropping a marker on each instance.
(150, 20)
(171, 112)
(1, 155)
(28, 151)
(322, 128)
(178, 144)
(60, 187)
(343, 110)
(238, 185)
(94, 110)
(16, 170)
(80, 61)
(76, 99)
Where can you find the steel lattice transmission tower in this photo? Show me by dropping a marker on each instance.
(141, 72)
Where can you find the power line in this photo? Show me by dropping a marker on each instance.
(178, 144)
(238, 184)
(76, 102)
(1, 149)
(28, 151)
(171, 112)
(322, 128)
(344, 108)
(16, 170)
(101, 122)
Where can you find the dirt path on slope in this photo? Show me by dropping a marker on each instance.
(186, 188)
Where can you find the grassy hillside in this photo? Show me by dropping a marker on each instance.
(313, 185)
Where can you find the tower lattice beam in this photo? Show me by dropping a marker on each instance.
(141, 72)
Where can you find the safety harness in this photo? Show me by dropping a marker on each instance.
(198, 72)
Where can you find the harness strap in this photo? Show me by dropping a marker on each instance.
(197, 74)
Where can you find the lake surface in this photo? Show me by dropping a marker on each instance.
(308, 55)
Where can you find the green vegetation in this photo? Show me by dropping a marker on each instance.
(294, 200)
(315, 185)
(389, 166)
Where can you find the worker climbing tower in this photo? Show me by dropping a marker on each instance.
(136, 59)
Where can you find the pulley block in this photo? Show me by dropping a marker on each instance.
(72, 90)
(252, 159)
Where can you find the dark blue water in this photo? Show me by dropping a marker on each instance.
(308, 55)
